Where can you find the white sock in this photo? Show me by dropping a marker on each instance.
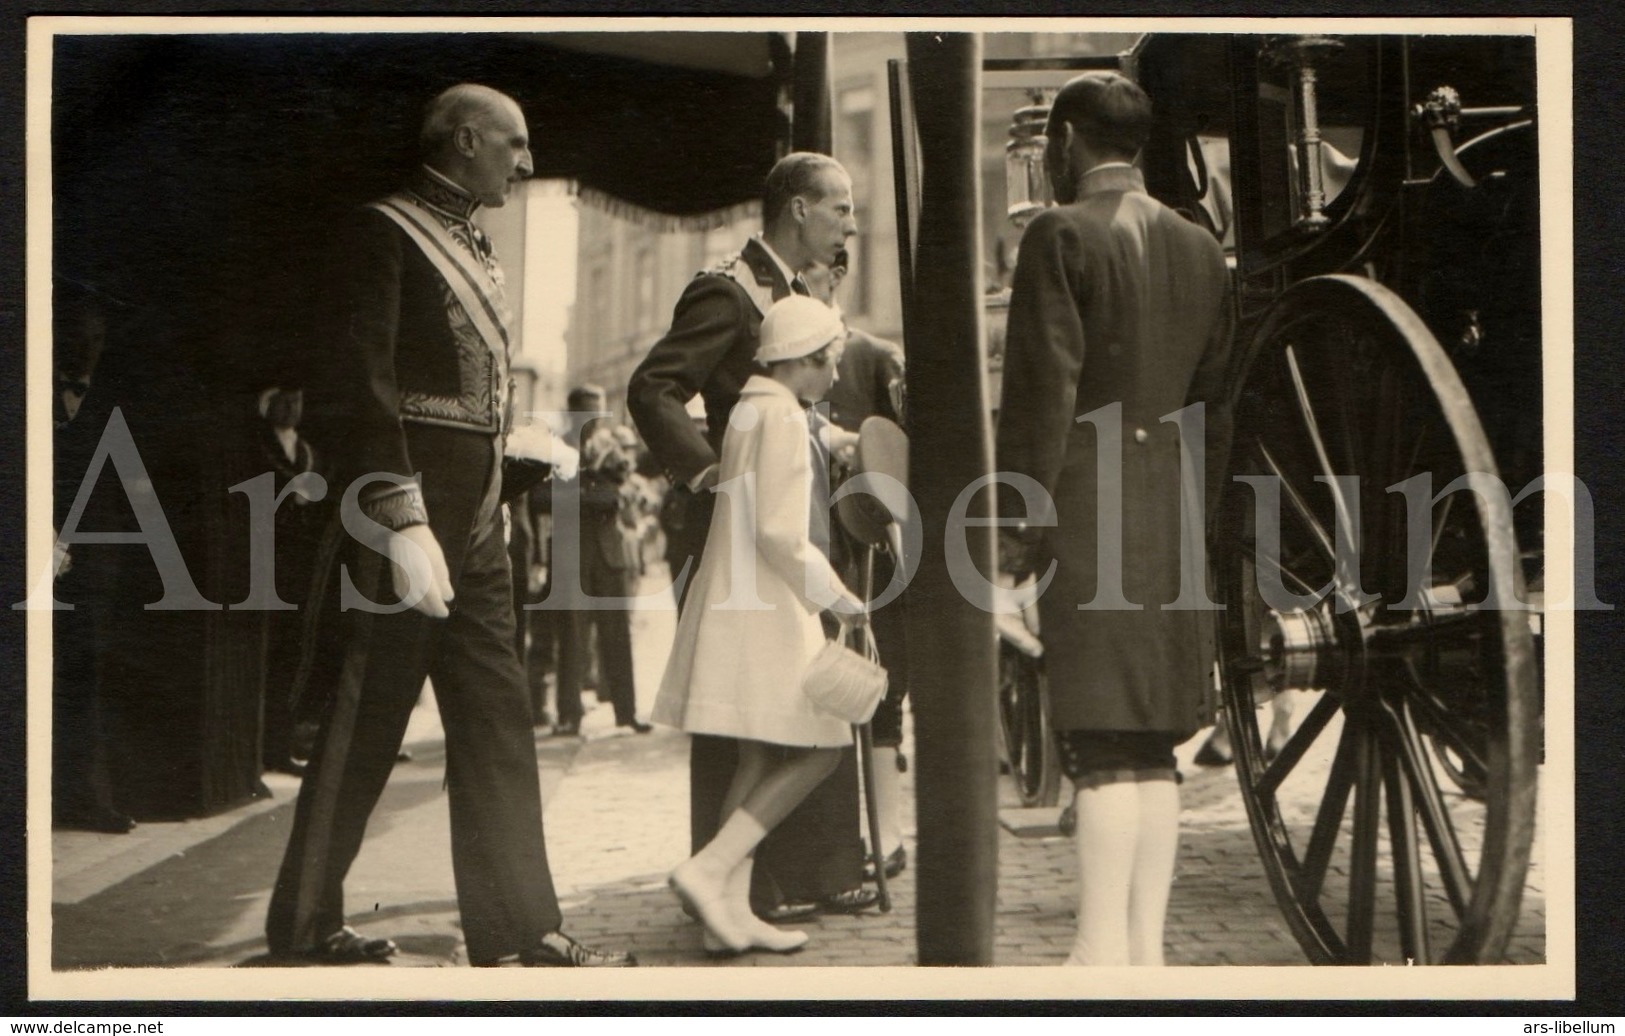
(888, 800)
(735, 840)
(1156, 848)
(1108, 819)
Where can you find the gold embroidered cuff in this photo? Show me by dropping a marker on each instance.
(397, 507)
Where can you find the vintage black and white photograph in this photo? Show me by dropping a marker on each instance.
(1086, 498)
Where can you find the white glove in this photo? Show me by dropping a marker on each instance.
(852, 612)
(419, 568)
(536, 442)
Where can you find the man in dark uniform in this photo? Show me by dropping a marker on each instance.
(710, 351)
(409, 402)
(1118, 319)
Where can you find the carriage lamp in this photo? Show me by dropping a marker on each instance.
(1300, 55)
(1027, 186)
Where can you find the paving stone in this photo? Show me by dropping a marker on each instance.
(616, 817)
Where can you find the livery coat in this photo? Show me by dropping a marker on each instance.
(1119, 300)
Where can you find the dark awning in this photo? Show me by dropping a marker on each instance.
(196, 174)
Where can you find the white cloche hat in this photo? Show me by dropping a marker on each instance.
(797, 326)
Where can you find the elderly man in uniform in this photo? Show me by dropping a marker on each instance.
(710, 351)
(1118, 319)
(409, 402)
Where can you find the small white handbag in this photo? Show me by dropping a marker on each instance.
(845, 683)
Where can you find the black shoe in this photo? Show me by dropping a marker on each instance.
(896, 860)
(560, 951)
(570, 728)
(852, 901)
(637, 728)
(1211, 754)
(348, 946)
(790, 912)
(102, 819)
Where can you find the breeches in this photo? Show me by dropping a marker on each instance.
(1094, 756)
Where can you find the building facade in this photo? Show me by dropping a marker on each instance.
(630, 271)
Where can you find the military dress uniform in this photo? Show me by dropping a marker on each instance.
(411, 382)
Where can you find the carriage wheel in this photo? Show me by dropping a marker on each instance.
(1419, 680)
(1024, 720)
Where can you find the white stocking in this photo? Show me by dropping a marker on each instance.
(888, 800)
(1155, 851)
(1108, 819)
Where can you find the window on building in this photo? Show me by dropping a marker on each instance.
(643, 287)
(599, 331)
(854, 147)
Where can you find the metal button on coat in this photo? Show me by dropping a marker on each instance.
(1141, 435)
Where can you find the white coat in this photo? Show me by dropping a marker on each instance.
(743, 643)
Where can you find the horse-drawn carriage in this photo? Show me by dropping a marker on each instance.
(1377, 198)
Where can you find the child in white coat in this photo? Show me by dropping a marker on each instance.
(752, 623)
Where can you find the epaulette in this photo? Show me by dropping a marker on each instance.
(724, 267)
(761, 295)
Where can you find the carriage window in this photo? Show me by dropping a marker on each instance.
(1328, 131)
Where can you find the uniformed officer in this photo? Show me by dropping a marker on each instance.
(710, 352)
(410, 404)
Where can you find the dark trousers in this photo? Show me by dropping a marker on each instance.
(80, 785)
(533, 632)
(613, 627)
(816, 850)
(504, 887)
(543, 653)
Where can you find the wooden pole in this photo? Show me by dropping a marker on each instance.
(952, 662)
(811, 128)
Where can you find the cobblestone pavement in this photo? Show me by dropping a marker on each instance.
(194, 894)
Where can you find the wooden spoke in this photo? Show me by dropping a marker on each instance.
(1441, 725)
(1439, 521)
(1278, 566)
(1299, 505)
(1328, 819)
(1435, 816)
(1407, 856)
(1311, 425)
(1278, 770)
(1363, 851)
